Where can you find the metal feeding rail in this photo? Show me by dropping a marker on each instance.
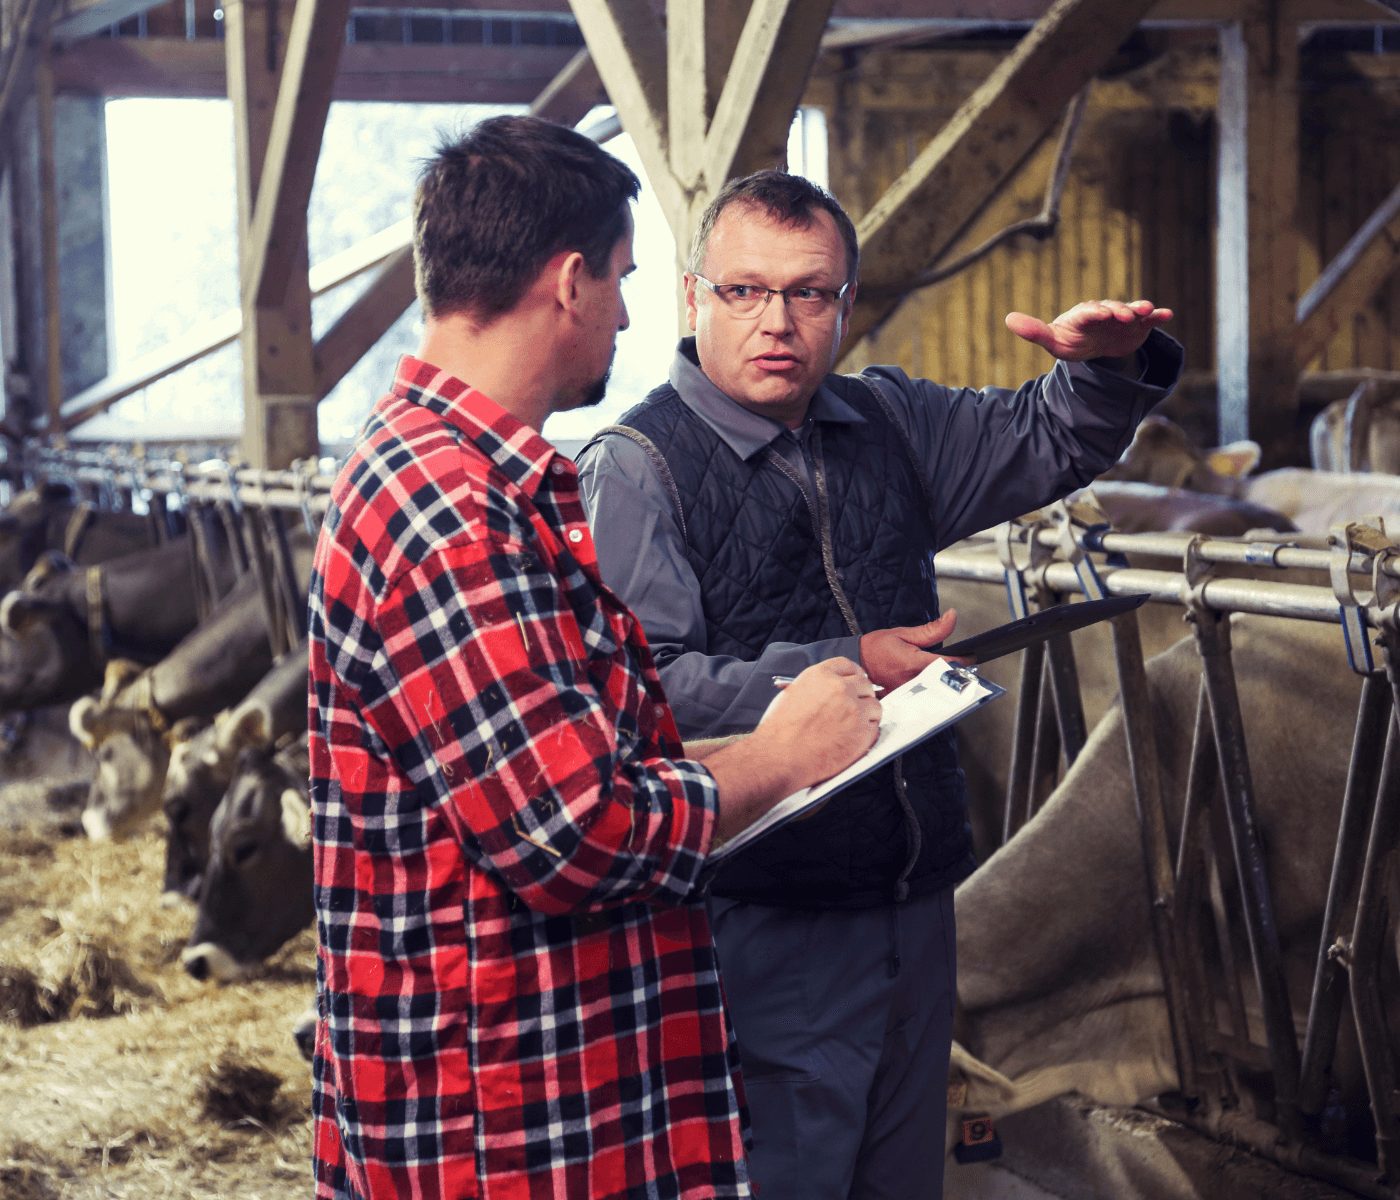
(1197, 873)
(1069, 550)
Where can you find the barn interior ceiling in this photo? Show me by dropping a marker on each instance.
(708, 90)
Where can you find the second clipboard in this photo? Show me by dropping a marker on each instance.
(1017, 635)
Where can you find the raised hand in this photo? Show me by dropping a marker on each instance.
(1092, 329)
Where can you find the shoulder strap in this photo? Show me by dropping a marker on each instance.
(658, 461)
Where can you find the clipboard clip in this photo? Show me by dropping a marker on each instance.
(959, 678)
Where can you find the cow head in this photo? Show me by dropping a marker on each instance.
(128, 740)
(1161, 453)
(28, 525)
(256, 892)
(202, 760)
(45, 654)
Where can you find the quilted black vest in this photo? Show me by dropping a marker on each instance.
(777, 561)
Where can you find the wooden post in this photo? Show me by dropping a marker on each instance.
(48, 218)
(1256, 238)
(279, 368)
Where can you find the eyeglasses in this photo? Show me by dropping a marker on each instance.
(749, 299)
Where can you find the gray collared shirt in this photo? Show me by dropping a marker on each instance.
(989, 455)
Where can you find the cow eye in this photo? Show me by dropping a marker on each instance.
(243, 853)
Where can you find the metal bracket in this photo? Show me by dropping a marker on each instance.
(1367, 538)
(1196, 573)
(1021, 554)
(1082, 524)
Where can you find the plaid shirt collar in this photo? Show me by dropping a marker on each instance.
(520, 453)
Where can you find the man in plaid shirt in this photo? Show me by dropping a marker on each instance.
(518, 994)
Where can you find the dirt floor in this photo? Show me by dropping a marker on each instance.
(120, 1076)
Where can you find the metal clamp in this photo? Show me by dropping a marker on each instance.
(1021, 554)
(1082, 524)
(303, 471)
(1196, 573)
(1346, 542)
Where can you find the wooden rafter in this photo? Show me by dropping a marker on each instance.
(567, 98)
(20, 54)
(765, 83)
(278, 225)
(366, 321)
(83, 18)
(628, 45)
(926, 209)
(223, 330)
(1349, 281)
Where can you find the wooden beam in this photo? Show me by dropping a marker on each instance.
(82, 18)
(926, 209)
(278, 226)
(771, 65)
(174, 67)
(1256, 237)
(19, 56)
(700, 41)
(365, 321)
(219, 332)
(48, 239)
(1349, 281)
(279, 370)
(627, 44)
(567, 98)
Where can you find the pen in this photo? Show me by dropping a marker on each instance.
(781, 681)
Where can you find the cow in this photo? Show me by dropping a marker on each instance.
(1362, 432)
(202, 760)
(1314, 501)
(66, 623)
(213, 667)
(256, 891)
(48, 517)
(1059, 984)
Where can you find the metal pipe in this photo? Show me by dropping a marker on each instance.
(1329, 990)
(1020, 781)
(1367, 940)
(1213, 641)
(1264, 597)
(1135, 701)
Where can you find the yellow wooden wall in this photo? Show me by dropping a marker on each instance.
(1136, 217)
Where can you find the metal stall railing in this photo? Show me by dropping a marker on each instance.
(258, 515)
(1206, 878)
(1198, 873)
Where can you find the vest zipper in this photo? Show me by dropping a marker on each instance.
(911, 822)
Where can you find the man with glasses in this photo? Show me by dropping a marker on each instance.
(760, 513)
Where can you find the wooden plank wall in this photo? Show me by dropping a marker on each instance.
(1136, 215)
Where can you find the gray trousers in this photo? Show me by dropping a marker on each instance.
(845, 1054)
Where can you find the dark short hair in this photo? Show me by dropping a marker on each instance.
(788, 199)
(497, 203)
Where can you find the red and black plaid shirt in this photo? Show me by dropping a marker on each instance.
(519, 995)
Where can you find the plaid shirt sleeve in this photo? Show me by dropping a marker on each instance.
(491, 698)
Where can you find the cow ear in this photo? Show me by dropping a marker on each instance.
(185, 728)
(19, 613)
(1236, 460)
(48, 565)
(120, 672)
(296, 818)
(250, 724)
(83, 719)
(983, 1088)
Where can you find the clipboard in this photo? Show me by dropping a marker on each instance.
(939, 696)
(1047, 623)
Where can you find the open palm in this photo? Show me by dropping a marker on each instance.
(1092, 329)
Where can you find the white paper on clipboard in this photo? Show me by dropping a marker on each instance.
(942, 694)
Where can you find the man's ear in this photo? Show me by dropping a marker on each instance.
(688, 282)
(848, 302)
(566, 281)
